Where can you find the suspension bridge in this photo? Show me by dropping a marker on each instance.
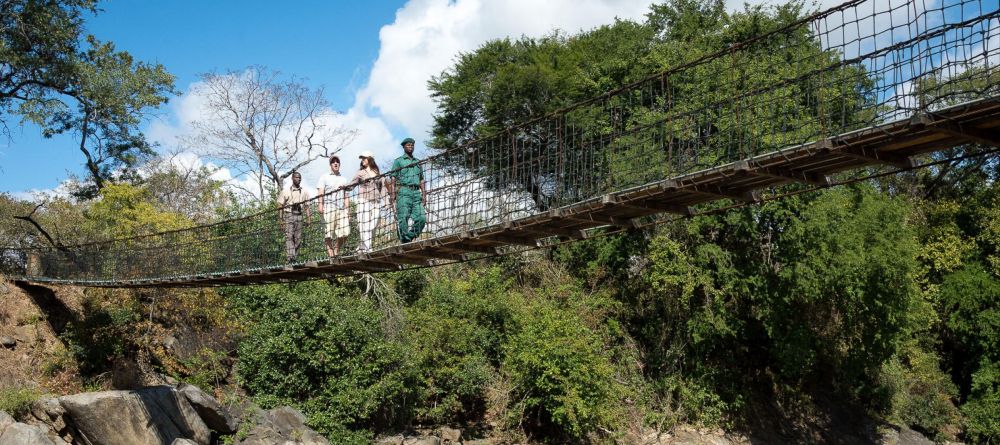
(867, 86)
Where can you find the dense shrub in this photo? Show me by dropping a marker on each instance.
(17, 401)
(922, 396)
(970, 308)
(542, 359)
(106, 331)
(982, 410)
(455, 331)
(315, 347)
(561, 372)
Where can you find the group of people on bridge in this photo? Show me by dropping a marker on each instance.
(403, 185)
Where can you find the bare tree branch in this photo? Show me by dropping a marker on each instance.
(255, 122)
(29, 218)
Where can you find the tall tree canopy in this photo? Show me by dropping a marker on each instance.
(66, 82)
(506, 82)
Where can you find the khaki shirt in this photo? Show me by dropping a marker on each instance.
(293, 198)
(368, 189)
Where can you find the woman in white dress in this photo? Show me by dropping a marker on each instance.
(370, 195)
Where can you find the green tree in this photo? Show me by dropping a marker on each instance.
(54, 77)
(701, 108)
(127, 210)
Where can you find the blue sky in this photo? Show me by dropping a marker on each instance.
(331, 43)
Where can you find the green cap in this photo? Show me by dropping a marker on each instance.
(408, 141)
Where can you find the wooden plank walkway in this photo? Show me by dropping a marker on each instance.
(893, 144)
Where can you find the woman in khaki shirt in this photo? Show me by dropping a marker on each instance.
(370, 195)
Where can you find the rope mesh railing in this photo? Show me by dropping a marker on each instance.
(859, 65)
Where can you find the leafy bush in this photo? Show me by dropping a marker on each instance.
(105, 332)
(410, 284)
(971, 315)
(691, 400)
(922, 395)
(831, 306)
(549, 348)
(560, 361)
(17, 401)
(561, 373)
(454, 332)
(315, 347)
(982, 410)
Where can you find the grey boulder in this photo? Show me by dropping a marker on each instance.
(450, 435)
(422, 440)
(5, 421)
(21, 434)
(50, 413)
(284, 426)
(155, 415)
(215, 416)
(391, 440)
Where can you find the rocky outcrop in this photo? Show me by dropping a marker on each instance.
(440, 436)
(161, 415)
(282, 426)
(15, 433)
(215, 416)
(904, 436)
(5, 421)
(449, 435)
(48, 414)
(149, 416)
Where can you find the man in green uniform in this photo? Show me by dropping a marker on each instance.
(408, 193)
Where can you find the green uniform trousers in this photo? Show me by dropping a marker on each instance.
(409, 206)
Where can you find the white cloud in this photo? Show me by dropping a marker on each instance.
(39, 195)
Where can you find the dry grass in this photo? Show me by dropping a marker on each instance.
(40, 360)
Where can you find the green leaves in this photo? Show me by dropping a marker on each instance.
(49, 76)
(317, 348)
(561, 372)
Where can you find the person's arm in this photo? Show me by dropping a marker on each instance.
(319, 194)
(390, 182)
(281, 209)
(306, 202)
(358, 182)
(383, 191)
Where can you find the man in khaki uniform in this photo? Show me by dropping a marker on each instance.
(291, 207)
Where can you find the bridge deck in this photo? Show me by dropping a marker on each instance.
(893, 144)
